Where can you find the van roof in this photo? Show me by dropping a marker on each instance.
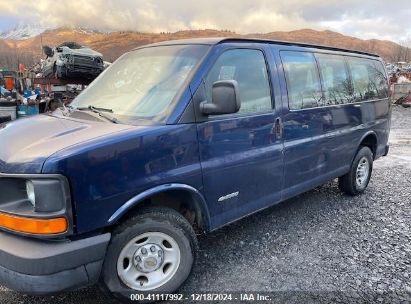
(218, 40)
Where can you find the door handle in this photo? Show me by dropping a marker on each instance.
(278, 128)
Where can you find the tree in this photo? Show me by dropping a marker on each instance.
(402, 51)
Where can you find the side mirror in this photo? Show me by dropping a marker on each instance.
(225, 99)
(48, 51)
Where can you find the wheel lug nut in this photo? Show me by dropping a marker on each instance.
(137, 259)
(160, 253)
(152, 248)
(144, 251)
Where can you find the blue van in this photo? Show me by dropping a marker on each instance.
(176, 139)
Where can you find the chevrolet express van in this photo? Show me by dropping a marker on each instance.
(175, 139)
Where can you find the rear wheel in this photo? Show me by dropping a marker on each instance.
(356, 181)
(152, 252)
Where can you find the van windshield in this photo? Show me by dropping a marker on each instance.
(142, 83)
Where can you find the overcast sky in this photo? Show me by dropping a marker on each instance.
(362, 18)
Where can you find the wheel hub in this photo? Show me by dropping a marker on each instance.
(148, 258)
(363, 172)
(148, 261)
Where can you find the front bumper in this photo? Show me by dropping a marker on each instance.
(71, 70)
(41, 267)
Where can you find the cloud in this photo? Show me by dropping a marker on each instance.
(364, 19)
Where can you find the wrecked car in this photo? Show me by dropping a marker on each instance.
(71, 60)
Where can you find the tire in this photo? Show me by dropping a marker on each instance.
(356, 181)
(166, 235)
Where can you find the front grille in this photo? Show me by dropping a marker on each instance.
(85, 61)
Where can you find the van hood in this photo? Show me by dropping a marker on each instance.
(27, 143)
(81, 52)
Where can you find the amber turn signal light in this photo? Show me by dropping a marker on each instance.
(32, 225)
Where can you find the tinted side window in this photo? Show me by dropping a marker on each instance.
(303, 83)
(381, 80)
(368, 80)
(335, 80)
(249, 69)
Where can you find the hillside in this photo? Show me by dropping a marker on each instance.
(384, 48)
(114, 44)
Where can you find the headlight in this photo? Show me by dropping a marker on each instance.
(35, 204)
(31, 195)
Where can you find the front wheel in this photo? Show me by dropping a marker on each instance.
(150, 253)
(356, 181)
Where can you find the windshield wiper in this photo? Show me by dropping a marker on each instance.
(100, 111)
(93, 108)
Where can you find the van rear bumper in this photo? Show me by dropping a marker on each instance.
(40, 267)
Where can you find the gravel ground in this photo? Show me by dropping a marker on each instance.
(319, 247)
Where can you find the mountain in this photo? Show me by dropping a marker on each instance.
(386, 49)
(23, 31)
(113, 44)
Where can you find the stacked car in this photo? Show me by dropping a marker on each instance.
(71, 60)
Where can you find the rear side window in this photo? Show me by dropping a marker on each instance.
(249, 69)
(381, 80)
(369, 81)
(335, 79)
(303, 82)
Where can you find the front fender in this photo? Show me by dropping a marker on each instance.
(199, 202)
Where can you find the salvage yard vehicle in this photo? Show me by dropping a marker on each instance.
(175, 139)
(72, 60)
